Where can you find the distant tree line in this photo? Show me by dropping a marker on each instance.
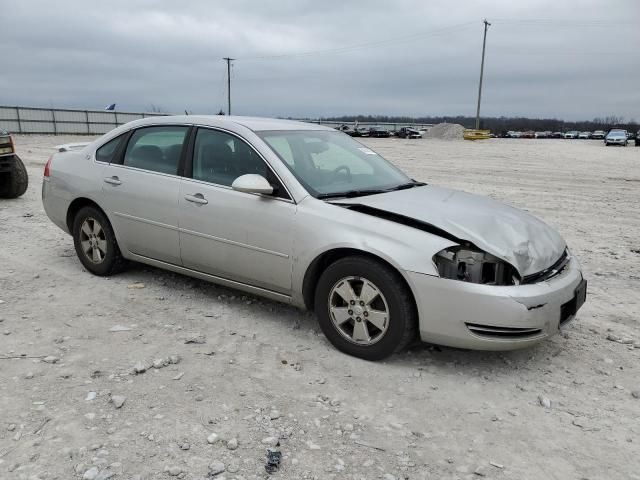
(500, 124)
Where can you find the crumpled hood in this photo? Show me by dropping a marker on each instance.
(513, 235)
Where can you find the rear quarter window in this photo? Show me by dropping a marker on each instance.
(107, 152)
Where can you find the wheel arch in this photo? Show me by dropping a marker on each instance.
(76, 205)
(323, 260)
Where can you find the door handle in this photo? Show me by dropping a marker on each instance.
(112, 180)
(196, 198)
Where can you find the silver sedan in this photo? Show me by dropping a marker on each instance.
(306, 215)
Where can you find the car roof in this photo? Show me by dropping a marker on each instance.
(256, 124)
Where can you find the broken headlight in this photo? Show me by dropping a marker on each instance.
(474, 266)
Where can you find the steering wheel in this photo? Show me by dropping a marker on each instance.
(339, 169)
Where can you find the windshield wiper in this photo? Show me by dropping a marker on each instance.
(370, 191)
(351, 193)
(405, 186)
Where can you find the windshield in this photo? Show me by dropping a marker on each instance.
(617, 133)
(332, 163)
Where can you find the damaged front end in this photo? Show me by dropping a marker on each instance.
(469, 264)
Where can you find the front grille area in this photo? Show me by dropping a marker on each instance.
(515, 333)
(550, 272)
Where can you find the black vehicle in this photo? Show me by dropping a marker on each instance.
(352, 131)
(408, 132)
(13, 174)
(379, 132)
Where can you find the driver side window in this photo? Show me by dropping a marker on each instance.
(220, 158)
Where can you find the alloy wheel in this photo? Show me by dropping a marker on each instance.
(93, 240)
(359, 311)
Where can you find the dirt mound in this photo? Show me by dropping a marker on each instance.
(446, 131)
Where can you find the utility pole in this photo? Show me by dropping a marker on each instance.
(228, 60)
(484, 44)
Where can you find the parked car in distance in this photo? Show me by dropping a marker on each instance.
(408, 132)
(557, 135)
(14, 179)
(541, 135)
(584, 135)
(528, 134)
(598, 135)
(514, 134)
(306, 215)
(572, 134)
(352, 131)
(616, 136)
(379, 132)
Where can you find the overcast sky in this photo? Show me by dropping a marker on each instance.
(548, 58)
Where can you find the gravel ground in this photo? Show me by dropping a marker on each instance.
(214, 361)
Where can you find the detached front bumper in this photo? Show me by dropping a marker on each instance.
(487, 317)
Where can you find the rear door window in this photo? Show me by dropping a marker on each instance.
(157, 149)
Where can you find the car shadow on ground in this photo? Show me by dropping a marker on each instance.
(293, 319)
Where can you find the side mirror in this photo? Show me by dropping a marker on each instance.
(252, 183)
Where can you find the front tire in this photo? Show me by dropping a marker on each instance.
(95, 242)
(16, 183)
(365, 308)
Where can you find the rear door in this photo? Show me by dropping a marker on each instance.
(235, 235)
(141, 191)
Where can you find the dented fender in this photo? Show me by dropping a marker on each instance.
(513, 235)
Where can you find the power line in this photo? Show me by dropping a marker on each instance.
(539, 22)
(377, 43)
(542, 22)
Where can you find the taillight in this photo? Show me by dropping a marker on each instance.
(47, 165)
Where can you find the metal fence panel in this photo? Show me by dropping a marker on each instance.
(100, 128)
(8, 113)
(72, 127)
(18, 119)
(37, 115)
(9, 125)
(128, 117)
(37, 127)
(71, 116)
(104, 117)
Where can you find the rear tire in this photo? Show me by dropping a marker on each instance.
(379, 304)
(16, 183)
(95, 242)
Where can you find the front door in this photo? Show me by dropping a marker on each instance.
(141, 192)
(238, 236)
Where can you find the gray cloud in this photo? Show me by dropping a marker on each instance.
(544, 58)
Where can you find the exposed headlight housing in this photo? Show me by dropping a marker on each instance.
(475, 266)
